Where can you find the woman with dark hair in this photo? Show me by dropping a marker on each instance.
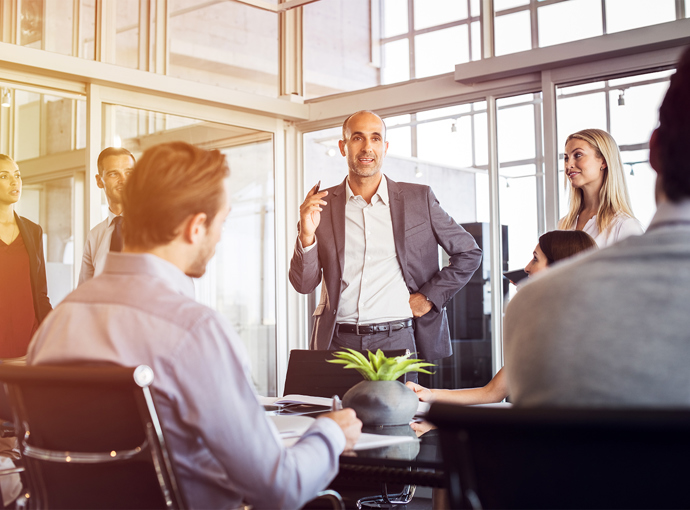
(24, 297)
(553, 246)
(557, 245)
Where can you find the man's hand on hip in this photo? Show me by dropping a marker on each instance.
(419, 304)
(310, 216)
(348, 421)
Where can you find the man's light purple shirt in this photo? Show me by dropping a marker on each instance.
(141, 310)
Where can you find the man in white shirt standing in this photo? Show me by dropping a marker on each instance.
(141, 310)
(374, 242)
(114, 166)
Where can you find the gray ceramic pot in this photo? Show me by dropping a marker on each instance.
(382, 402)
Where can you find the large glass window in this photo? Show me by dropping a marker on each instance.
(224, 43)
(239, 282)
(127, 34)
(525, 24)
(521, 185)
(355, 44)
(47, 124)
(49, 25)
(628, 109)
(339, 48)
(45, 135)
(50, 203)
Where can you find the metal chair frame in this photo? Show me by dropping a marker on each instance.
(135, 380)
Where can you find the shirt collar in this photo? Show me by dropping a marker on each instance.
(381, 192)
(149, 265)
(111, 216)
(670, 212)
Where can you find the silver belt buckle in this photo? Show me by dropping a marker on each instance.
(357, 330)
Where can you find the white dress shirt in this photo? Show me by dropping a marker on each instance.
(373, 288)
(621, 227)
(96, 248)
(141, 310)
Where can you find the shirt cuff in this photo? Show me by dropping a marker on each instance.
(331, 430)
(309, 248)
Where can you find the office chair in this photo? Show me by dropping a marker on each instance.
(90, 437)
(564, 458)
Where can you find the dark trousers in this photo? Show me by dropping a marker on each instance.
(401, 339)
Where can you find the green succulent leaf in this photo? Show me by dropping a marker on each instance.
(379, 367)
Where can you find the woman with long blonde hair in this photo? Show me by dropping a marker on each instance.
(599, 200)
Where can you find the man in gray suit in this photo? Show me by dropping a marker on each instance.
(375, 242)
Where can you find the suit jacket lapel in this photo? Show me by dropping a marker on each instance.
(337, 205)
(397, 208)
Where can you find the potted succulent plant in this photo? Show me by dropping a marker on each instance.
(381, 399)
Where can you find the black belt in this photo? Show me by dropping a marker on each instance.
(370, 329)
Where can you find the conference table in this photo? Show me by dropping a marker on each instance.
(411, 464)
(416, 463)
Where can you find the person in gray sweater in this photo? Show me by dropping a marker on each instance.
(613, 328)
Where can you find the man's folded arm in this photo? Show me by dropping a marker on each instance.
(465, 256)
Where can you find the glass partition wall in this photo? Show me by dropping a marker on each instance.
(239, 282)
(45, 133)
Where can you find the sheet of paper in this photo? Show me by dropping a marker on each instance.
(422, 408)
(304, 399)
(291, 428)
(368, 441)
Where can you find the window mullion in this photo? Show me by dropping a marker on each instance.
(487, 23)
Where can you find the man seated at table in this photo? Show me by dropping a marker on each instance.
(612, 328)
(141, 310)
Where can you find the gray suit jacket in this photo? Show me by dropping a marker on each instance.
(420, 225)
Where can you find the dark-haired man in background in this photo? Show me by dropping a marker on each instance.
(141, 310)
(114, 166)
(613, 329)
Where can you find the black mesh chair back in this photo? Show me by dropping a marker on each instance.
(564, 458)
(90, 437)
(309, 373)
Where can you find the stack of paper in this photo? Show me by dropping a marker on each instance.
(291, 429)
(298, 404)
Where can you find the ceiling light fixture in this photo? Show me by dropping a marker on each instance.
(6, 98)
(621, 98)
